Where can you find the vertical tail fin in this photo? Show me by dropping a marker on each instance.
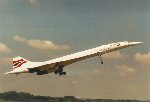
(18, 62)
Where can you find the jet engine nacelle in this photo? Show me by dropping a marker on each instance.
(39, 72)
(42, 72)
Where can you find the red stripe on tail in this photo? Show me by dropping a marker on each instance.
(18, 63)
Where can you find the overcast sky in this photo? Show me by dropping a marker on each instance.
(40, 30)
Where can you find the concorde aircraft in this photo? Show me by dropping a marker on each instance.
(21, 65)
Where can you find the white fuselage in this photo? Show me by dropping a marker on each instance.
(72, 58)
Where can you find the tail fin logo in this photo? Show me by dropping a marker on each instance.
(18, 63)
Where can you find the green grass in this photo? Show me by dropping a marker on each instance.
(1, 100)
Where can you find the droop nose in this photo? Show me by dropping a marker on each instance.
(135, 43)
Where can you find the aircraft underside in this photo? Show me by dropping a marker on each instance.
(58, 70)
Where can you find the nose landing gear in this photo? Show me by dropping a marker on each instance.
(101, 59)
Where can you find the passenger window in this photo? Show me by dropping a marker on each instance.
(118, 44)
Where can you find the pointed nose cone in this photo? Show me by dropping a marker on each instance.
(135, 43)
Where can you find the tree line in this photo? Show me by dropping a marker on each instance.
(26, 97)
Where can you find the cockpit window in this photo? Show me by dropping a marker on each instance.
(113, 44)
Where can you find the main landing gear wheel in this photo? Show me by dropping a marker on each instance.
(62, 73)
(59, 71)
